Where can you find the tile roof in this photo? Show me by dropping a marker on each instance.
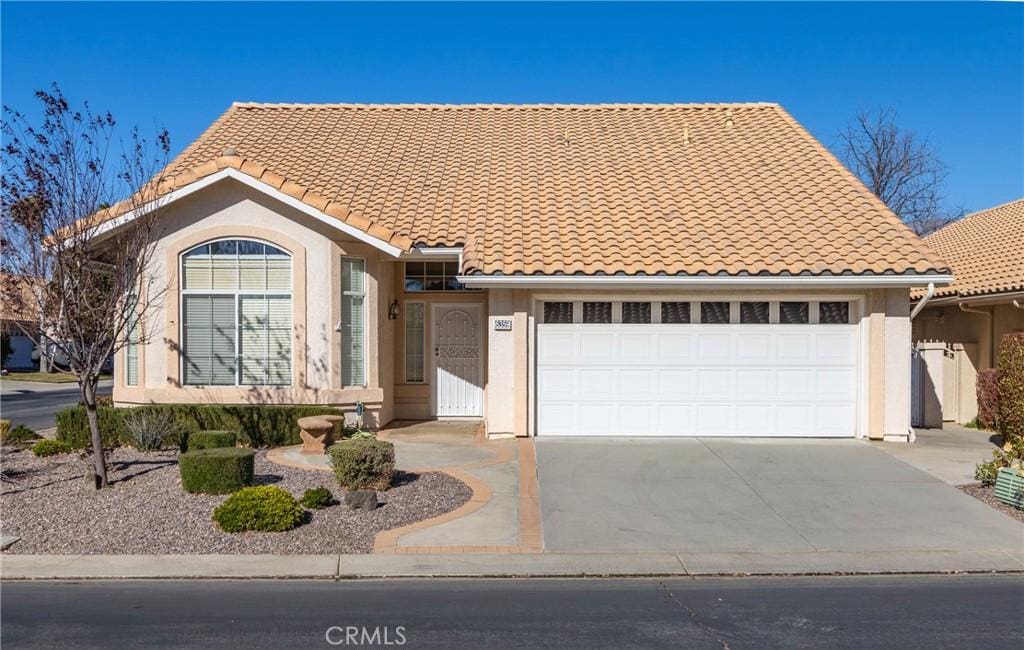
(985, 249)
(575, 189)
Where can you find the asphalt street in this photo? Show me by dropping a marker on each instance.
(38, 409)
(813, 612)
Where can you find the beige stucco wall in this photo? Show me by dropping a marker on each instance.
(979, 335)
(230, 209)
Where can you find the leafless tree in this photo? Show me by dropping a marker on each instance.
(70, 252)
(899, 167)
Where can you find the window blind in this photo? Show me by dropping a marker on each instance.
(414, 326)
(353, 324)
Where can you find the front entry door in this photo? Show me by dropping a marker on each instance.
(458, 362)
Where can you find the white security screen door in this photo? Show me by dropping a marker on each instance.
(458, 362)
(697, 380)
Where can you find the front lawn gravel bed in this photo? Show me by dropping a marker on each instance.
(145, 511)
(986, 493)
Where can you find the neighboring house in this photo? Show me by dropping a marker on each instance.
(626, 270)
(15, 319)
(968, 318)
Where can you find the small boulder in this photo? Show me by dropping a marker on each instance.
(361, 499)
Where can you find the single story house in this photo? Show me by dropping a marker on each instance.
(964, 322)
(15, 319)
(629, 270)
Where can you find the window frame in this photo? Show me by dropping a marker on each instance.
(445, 277)
(363, 295)
(423, 340)
(237, 293)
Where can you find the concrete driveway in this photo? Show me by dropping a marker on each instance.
(712, 495)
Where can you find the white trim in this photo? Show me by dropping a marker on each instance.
(657, 281)
(258, 185)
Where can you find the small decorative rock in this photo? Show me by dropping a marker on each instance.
(361, 499)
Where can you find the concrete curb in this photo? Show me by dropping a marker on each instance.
(501, 565)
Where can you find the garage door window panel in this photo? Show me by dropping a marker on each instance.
(793, 313)
(714, 313)
(636, 313)
(558, 312)
(754, 313)
(597, 312)
(675, 313)
(834, 313)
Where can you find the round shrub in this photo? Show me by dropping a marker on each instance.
(264, 508)
(216, 471)
(19, 436)
(211, 440)
(317, 498)
(51, 448)
(363, 464)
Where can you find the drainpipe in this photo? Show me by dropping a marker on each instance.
(923, 301)
(991, 331)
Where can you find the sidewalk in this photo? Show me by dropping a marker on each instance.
(503, 565)
(949, 453)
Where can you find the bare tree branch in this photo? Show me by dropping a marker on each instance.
(899, 168)
(64, 181)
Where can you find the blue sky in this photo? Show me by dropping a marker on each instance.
(954, 72)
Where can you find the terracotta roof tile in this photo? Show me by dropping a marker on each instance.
(630, 188)
(985, 249)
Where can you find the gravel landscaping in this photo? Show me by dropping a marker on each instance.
(54, 511)
(985, 493)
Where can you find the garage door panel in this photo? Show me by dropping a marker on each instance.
(674, 347)
(754, 348)
(598, 347)
(693, 379)
(599, 418)
(755, 419)
(714, 347)
(714, 382)
(715, 419)
(637, 383)
(834, 419)
(558, 383)
(755, 382)
(675, 383)
(599, 383)
(675, 419)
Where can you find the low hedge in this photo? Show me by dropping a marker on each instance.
(256, 426)
(265, 508)
(317, 498)
(1011, 386)
(45, 448)
(363, 463)
(210, 440)
(216, 471)
(19, 436)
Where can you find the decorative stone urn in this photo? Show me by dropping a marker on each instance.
(317, 432)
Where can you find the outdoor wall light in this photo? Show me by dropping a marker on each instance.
(394, 311)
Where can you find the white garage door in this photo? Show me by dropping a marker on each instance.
(733, 379)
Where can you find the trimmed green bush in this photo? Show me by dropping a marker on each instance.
(317, 498)
(1011, 386)
(1011, 455)
(265, 508)
(211, 439)
(51, 448)
(256, 426)
(216, 471)
(19, 436)
(363, 463)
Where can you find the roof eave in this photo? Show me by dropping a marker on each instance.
(703, 281)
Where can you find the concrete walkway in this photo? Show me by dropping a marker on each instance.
(949, 453)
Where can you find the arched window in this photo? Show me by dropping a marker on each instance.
(236, 324)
